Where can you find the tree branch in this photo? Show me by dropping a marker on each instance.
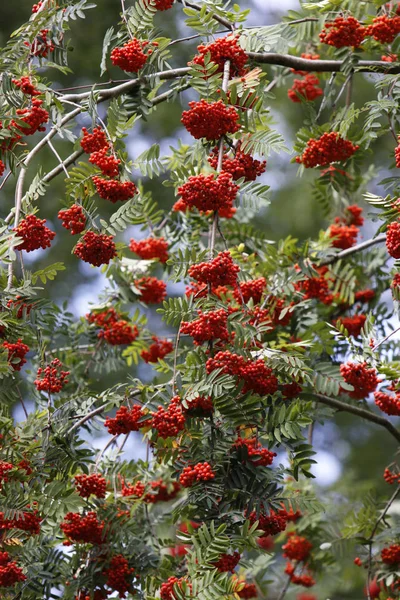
(379, 239)
(359, 412)
(320, 66)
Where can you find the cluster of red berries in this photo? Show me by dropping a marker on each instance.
(36, 7)
(152, 290)
(10, 573)
(114, 190)
(93, 142)
(271, 524)
(73, 218)
(125, 420)
(209, 326)
(104, 318)
(306, 579)
(26, 86)
(96, 248)
(241, 165)
(163, 4)
(131, 56)
(227, 562)
(21, 307)
(391, 555)
(159, 491)
(306, 88)
(91, 484)
(353, 324)
(201, 406)
(250, 290)
(291, 390)
(33, 118)
(199, 472)
(384, 29)
(257, 377)
(316, 287)
(168, 422)
(2, 168)
(388, 404)
(363, 379)
(219, 271)
(157, 350)
(119, 575)
(41, 45)
(389, 58)
(255, 453)
(297, 548)
(206, 192)
(167, 588)
(352, 216)
(364, 296)
(290, 515)
(85, 529)
(16, 353)
(108, 164)
(329, 148)
(5, 467)
(29, 521)
(249, 590)
(52, 378)
(393, 239)
(210, 120)
(120, 334)
(343, 236)
(391, 477)
(150, 248)
(397, 153)
(223, 49)
(34, 234)
(343, 32)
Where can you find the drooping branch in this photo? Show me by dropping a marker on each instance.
(379, 239)
(359, 412)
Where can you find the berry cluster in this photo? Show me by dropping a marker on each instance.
(131, 56)
(227, 563)
(271, 524)
(389, 58)
(306, 580)
(201, 406)
(199, 472)
(105, 318)
(150, 248)
(119, 575)
(290, 515)
(206, 192)
(158, 349)
(10, 573)
(52, 378)
(152, 290)
(2, 168)
(210, 120)
(73, 218)
(255, 453)
(219, 271)
(343, 236)
(28, 521)
(108, 164)
(241, 165)
(393, 239)
(114, 190)
(96, 248)
(209, 326)
(249, 590)
(250, 290)
(125, 420)
(391, 555)
(388, 404)
(257, 376)
(364, 296)
(291, 390)
(16, 353)
(93, 142)
(159, 491)
(363, 380)
(329, 148)
(167, 588)
(343, 32)
(34, 234)
(32, 118)
(306, 88)
(223, 49)
(384, 29)
(353, 324)
(4, 468)
(84, 529)
(41, 46)
(170, 421)
(163, 4)
(316, 287)
(353, 215)
(91, 484)
(120, 334)
(297, 548)
(391, 477)
(26, 86)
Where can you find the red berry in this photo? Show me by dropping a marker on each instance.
(33, 118)
(34, 234)
(91, 484)
(84, 529)
(73, 218)
(393, 239)
(168, 422)
(240, 165)
(258, 378)
(109, 165)
(199, 472)
(227, 562)
(119, 575)
(329, 148)
(384, 29)
(363, 380)
(16, 350)
(252, 289)
(210, 120)
(209, 326)
(159, 349)
(353, 324)
(96, 248)
(93, 142)
(52, 378)
(271, 524)
(249, 590)
(219, 271)
(41, 46)
(206, 192)
(10, 573)
(223, 49)
(152, 290)
(125, 420)
(305, 89)
(343, 236)
(391, 555)
(26, 86)
(297, 548)
(388, 404)
(163, 4)
(343, 32)
(150, 248)
(130, 57)
(120, 334)
(114, 190)
(256, 454)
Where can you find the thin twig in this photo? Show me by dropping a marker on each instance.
(106, 447)
(221, 20)
(385, 339)
(54, 151)
(379, 239)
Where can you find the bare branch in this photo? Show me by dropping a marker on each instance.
(379, 239)
(320, 66)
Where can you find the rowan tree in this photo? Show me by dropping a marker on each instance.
(266, 341)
